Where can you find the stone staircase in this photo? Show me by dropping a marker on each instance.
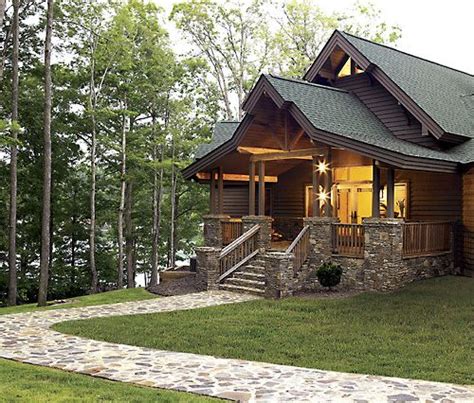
(248, 279)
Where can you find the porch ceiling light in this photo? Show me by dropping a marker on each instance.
(322, 166)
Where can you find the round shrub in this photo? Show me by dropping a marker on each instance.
(329, 274)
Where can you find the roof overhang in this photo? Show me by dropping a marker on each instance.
(264, 87)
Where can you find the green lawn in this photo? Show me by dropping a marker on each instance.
(29, 383)
(111, 297)
(424, 331)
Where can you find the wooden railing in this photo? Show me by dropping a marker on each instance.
(238, 252)
(300, 248)
(231, 230)
(348, 240)
(425, 238)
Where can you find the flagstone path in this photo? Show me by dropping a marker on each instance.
(27, 338)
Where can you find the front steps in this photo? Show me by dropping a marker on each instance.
(249, 279)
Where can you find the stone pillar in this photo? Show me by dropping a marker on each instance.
(213, 229)
(384, 265)
(320, 238)
(278, 274)
(207, 267)
(265, 233)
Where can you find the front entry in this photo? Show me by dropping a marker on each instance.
(352, 195)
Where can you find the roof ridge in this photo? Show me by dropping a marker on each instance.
(299, 81)
(406, 53)
(228, 121)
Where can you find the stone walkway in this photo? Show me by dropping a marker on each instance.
(26, 337)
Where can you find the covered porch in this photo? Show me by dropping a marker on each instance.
(348, 188)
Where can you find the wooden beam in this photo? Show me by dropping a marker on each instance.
(252, 188)
(390, 193)
(375, 190)
(297, 138)
(261, 188)
(220, 191)
(328, 187)
(212, 193)
(286, 155)
(315, 190)
(236, 177)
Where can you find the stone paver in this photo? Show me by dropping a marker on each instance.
(27, 337)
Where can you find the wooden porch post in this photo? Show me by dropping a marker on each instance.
(315, 191)
(252, 188)
(390, 193)
(212, 193)
(220, 190)
(261, 188)
(328, 187)
(375, 190)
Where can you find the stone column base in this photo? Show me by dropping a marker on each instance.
(213, 229)
(265, 233)
(207, 267)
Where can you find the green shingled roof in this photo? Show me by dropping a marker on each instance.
(223, 131)
(339, 112)
(446, 94)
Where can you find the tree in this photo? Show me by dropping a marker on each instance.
(46, 216)
(304, 28)
(12, 283)
(233, 38)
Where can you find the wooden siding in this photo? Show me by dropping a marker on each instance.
(236, 199)
(289, 194)
(398, 120)
(468, 219)
(433, 196)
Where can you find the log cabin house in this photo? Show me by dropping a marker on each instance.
(367, 161)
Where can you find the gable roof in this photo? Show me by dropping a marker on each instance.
(332, 116)
(342, 113)
(443, 93)
(222, 132)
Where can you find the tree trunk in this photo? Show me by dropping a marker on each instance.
(92, 229)
(46, 216)
(129, 242)
(172, 251)
(3, 4)
(157, 197)
(12, 283)
(6, 39)
(123, 172)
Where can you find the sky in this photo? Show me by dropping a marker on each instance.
(441, 31)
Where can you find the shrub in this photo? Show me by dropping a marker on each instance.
(329, 274)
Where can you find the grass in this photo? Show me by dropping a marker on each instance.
(424, 331)
(29, 383)
(110, 297)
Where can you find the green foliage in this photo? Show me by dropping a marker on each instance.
(329, 274)
(421, 332)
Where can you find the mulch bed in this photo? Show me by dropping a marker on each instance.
(179, 286)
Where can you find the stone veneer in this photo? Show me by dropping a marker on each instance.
(207, 272)
(382, 268)
(264, 239)
(213, 229)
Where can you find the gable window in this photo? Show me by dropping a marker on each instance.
(349, 68)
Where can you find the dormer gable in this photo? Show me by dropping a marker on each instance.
(432, 94)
